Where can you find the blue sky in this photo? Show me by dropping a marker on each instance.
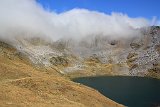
(133, 8)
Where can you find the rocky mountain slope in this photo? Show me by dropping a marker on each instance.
(97, 55)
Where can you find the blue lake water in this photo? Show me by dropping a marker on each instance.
(129, 91)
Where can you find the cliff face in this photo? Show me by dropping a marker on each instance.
(24, 84)
(144, 60)
(137, 56)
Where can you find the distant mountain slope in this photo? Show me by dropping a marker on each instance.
(97, 55)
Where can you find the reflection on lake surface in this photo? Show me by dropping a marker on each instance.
(129, 91)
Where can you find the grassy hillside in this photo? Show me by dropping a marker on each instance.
(25, 85)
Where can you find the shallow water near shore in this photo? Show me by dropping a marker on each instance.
(126, 90)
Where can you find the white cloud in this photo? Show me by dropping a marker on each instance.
(26, 18)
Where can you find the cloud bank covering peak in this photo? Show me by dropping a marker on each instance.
(27, 18)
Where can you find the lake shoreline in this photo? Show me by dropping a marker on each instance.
(71, 78)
